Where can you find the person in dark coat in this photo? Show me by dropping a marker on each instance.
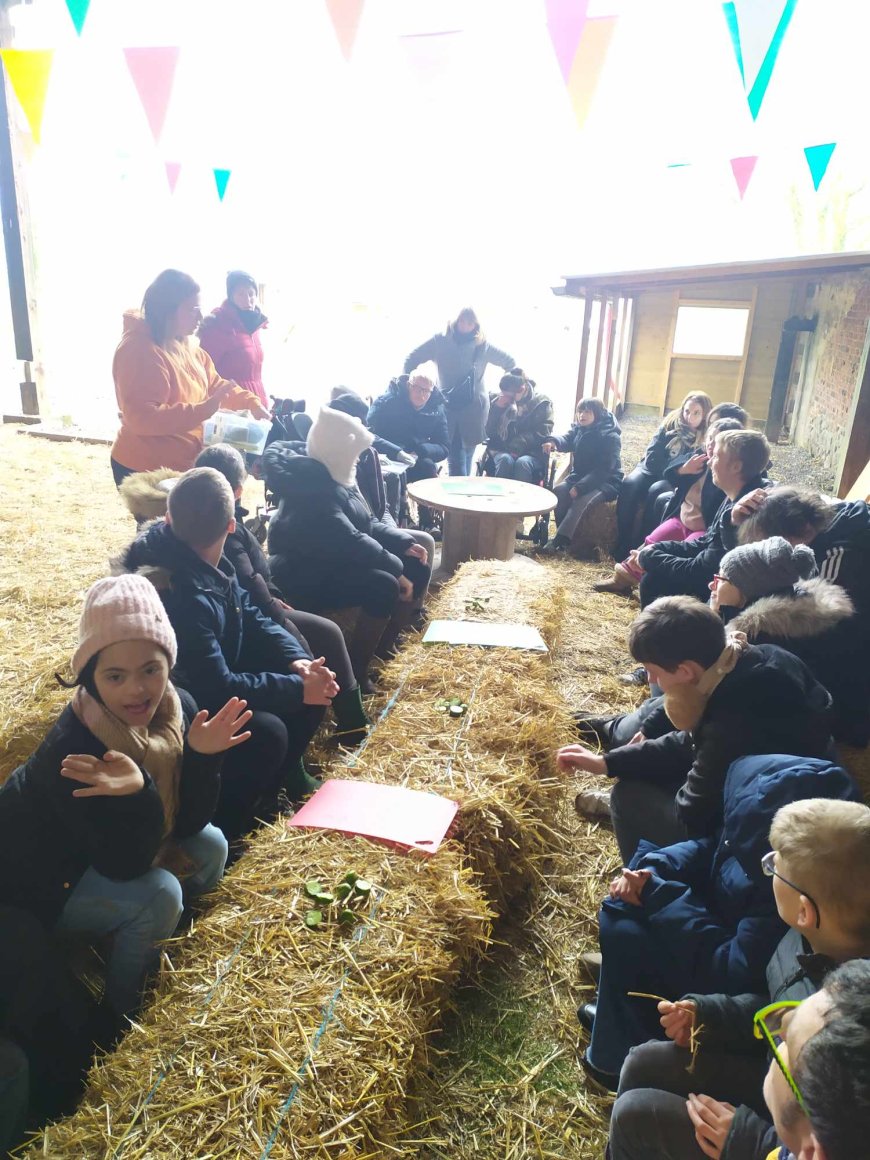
(699, 915)
(231, 335)
(228, 648)
(838, 533)
(327, 549)
(692, 509)
(682, 430)
(116, 804)
(820, 869)
(520, 422)
(725, 699)
(462, 354)
(768, 590)
(669, 568)
(410, 416)
(595, 444)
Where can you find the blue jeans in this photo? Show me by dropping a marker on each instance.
(525, 468)
(460, 458)
(140, 913)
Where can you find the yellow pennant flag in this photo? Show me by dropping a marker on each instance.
(28, 71)
(588, 63)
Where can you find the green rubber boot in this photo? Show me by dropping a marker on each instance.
(351, 720)
(298, 782)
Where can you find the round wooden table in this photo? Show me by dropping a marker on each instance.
(481, 514)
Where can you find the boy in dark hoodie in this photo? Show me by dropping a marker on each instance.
(227, 647)
(595, 443)
(726, 699)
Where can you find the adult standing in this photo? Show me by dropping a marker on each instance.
(165, 385)
(231, 335)
(462, 354)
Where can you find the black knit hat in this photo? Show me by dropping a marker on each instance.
(237, 278)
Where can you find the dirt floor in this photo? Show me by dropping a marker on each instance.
(505, 1081)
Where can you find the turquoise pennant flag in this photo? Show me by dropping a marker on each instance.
(818, 158)
(78, 10)
(221, 177)
(747, 46)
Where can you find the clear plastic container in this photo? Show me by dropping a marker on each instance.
(240, 430)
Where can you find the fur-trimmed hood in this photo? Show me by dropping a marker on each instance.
(146, 493)
(816, 607)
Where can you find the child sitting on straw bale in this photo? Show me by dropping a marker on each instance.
(698, 915)
(115, 806)
(702, 1093)
(726, 699)
(227, 647)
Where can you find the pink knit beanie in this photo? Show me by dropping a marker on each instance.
(122, 608)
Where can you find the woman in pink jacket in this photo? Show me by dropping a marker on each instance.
(230, 334)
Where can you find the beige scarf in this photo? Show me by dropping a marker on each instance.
(685, 704)
(158, 748)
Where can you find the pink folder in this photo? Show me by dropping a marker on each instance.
(391, 813)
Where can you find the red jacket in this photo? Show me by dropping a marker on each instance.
(236, 354)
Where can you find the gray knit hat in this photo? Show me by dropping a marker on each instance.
(767, 566)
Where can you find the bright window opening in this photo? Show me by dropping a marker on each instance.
(711, 331)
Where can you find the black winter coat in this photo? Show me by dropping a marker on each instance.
(226, 646)
(322, 526)
(793, 973)
(251, 567)
(48, 838)
(596, 452)
(769, 703)
(662, 449)
(691, 563)
(395, 419)
(842, 552)
(818, 625)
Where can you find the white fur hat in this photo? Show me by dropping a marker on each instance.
(337, 440)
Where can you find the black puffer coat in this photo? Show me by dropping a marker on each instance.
(596, 452)
(322, 526)
(395, 419)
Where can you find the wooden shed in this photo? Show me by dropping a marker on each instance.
(740, 331)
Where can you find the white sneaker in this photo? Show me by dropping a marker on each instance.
(593, 804)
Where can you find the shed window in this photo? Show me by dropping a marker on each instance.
(711, 331)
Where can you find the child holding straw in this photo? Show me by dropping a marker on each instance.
(103, 823)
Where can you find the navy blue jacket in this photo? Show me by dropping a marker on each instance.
(403, 427)
(48, 838)
(226, 646)
(708, 904)
(596, 452)
(322, 526)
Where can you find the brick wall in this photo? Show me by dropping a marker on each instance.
(834, 367)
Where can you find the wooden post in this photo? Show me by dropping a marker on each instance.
(584, 349)
(18, 244)
(603, 324)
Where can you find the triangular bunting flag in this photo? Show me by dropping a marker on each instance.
(173, 169)
(588, 63)
(345, 16)
(221, 178)
(757, 29)
(28, 71)
(432, 56)
(742, 168)
(565, 20)
(78, 10)
(153, 71)
(818, 158)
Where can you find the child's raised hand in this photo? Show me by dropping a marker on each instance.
(221, 732)
(579, 757)
(115, 776)
(695, 465)
(678, 1019)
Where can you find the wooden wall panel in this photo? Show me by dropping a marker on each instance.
(772, 308)
(654, 312)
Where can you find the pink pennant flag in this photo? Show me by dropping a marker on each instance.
(742, 168)
(565, 20)
(345, 16)
(153, 71)
(173, 170)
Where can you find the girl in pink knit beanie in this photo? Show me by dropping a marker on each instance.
(100, 828)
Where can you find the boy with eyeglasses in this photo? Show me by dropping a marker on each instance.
(820, 873)
(817, 1088)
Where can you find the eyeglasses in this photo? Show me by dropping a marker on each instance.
(769, 868)
(767, 1024)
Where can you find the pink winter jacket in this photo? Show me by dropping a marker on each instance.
(236, 354)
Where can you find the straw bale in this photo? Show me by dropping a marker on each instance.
(595, 537)
(267, 1038)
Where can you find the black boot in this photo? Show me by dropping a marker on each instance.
(401, 619)
(365, 639)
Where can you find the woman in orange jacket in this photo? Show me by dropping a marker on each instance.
(165, 385)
